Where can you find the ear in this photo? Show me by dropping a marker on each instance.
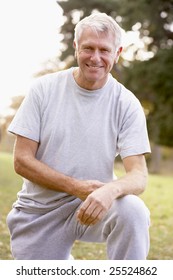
(119, 51)
(74, 44)
(118, 54)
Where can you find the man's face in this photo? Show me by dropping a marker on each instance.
(96, 55)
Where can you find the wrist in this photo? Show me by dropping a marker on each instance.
(114, 189)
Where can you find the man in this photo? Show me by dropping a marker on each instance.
(69, 129)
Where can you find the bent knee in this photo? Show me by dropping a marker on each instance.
(131, 207)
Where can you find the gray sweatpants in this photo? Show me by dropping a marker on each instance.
(50, 236)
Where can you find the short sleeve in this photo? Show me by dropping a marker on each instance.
(133, 136)
(27, 121)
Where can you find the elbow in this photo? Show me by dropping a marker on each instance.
(143, 181)
(19, 165)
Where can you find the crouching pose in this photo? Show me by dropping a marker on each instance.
(69, 129)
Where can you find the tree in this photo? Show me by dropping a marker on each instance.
(152, 81)
(7, 141)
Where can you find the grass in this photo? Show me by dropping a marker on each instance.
(10, 183)
(158, 197)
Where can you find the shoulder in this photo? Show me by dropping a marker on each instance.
(50, 79)
(44, 87)
(124, 97)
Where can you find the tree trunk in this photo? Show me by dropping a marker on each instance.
(156, 157)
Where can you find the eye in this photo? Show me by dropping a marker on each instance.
(104, 50)
(88, 48)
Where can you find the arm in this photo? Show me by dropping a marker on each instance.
(135, 180)
(26, 165)
(99, 201)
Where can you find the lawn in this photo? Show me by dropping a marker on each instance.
(158, 197)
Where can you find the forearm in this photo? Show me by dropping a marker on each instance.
(39, 173)
(133, 182)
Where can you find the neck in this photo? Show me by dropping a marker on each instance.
(83, 83)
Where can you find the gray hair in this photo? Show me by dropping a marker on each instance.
(101, 22)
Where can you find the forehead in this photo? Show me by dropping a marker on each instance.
(94, 37)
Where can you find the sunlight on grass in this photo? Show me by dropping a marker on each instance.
(10, 183)
(159, 199)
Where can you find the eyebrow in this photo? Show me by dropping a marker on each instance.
(102, 47)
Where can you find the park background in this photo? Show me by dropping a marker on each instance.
(38, 39)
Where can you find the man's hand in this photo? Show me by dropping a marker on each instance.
(87, 187)
(96, 205)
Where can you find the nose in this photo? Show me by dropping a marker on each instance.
(95, 56)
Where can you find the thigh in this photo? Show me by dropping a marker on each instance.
(46, 236)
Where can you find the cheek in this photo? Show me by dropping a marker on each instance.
(110, 63)
(83, 58)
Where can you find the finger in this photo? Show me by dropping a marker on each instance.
(92, 218)
(87, 218)
(81, 212)
(95, 218)
(86, 214)
(99, 217)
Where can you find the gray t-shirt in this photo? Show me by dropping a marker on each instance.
(80, 132)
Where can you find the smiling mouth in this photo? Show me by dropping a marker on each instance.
(94, 66)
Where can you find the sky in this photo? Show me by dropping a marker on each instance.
(29, 36)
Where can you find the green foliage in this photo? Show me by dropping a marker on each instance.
(151, 81)
(154, 17)
(158, 198)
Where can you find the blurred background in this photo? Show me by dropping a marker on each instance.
(37, 38)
